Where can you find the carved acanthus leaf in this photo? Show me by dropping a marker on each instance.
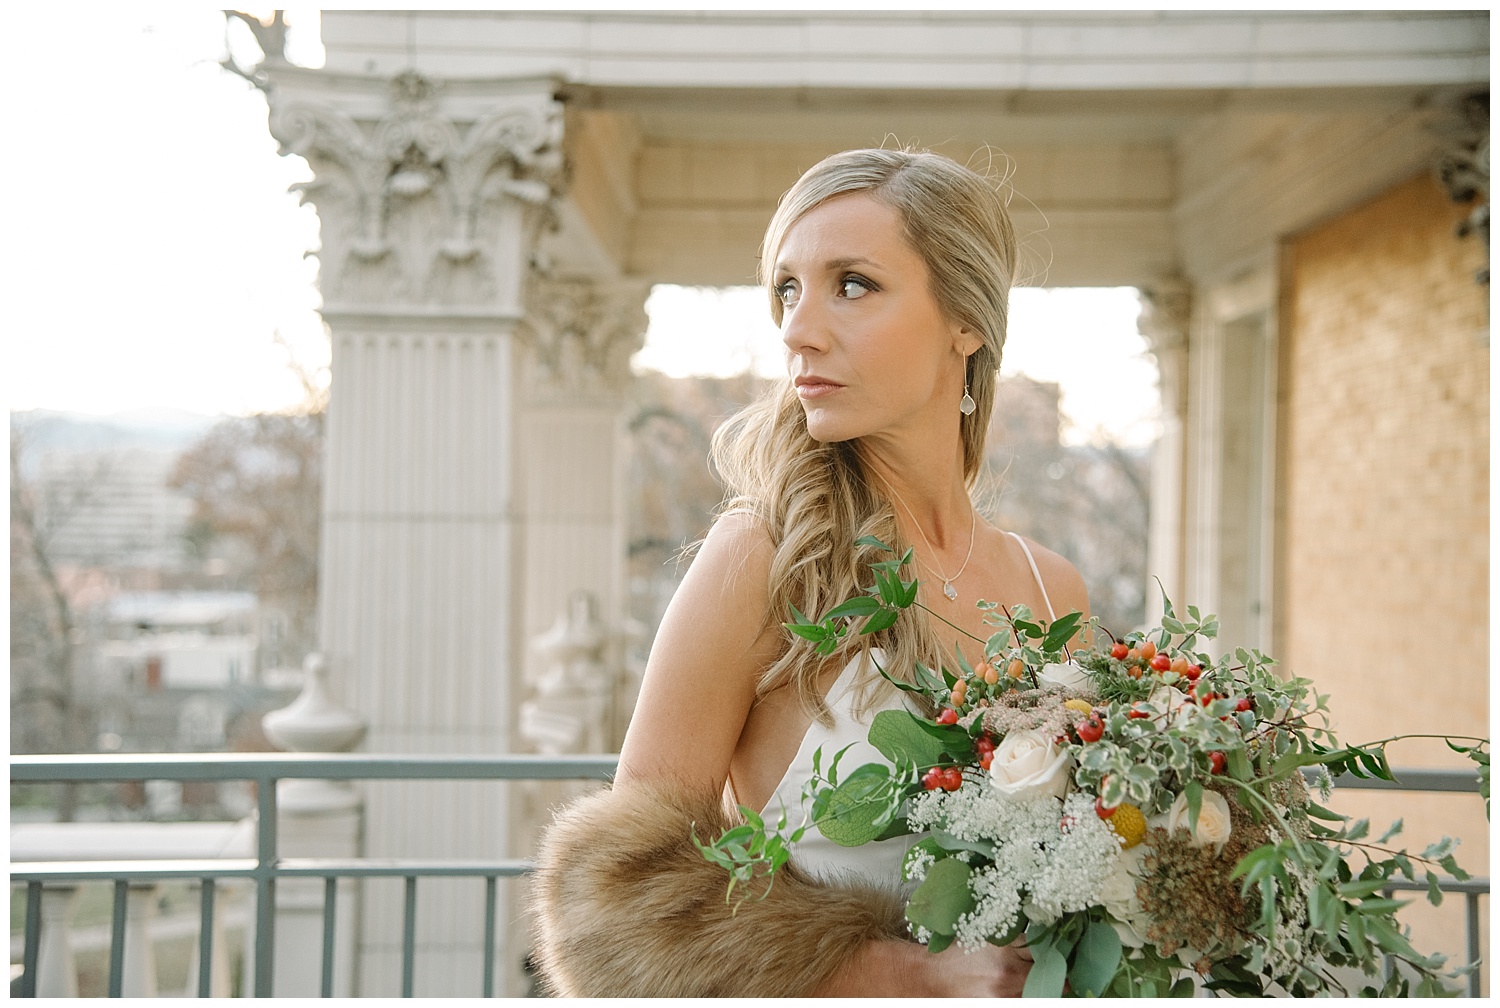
(583, 332)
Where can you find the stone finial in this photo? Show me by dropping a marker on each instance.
(314, 722)
(572, 683)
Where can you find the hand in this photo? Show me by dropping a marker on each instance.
(890, 968)
(992, 971)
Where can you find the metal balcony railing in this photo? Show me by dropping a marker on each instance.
(267, 867)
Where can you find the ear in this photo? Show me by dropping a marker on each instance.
(966, 341)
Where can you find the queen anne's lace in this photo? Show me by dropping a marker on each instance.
(1050, 857)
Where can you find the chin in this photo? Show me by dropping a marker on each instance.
(825, 429)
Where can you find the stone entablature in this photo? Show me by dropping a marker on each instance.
(1015, 50)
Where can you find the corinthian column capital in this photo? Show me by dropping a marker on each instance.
(582, 333)
(428, 199)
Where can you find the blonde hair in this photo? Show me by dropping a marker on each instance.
(813, 497)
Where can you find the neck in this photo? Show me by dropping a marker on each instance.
(925, 492)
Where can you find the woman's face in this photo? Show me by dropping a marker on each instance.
(867, 345)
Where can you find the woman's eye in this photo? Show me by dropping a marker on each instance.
(786, 293)
(853, 287)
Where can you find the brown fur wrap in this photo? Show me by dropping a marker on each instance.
(627, 907)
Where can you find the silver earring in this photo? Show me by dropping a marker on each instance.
(966, 404)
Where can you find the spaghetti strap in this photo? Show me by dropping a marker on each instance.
(1035, 573)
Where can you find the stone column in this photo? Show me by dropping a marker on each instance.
(431, 197)
(1166, 312)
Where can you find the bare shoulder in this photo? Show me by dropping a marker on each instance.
(1064, 584)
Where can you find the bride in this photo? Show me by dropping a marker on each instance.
(889, 273)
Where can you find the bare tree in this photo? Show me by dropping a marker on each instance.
(256, 486)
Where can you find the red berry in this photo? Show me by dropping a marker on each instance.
(948, 716)
(1193, 672)
(1161, 662)
(984, 744)
(930, 779)
(1216, 761)
(1244, 704)
(1102, 810)
(1119, 651)
(1207, 698)
(985, 760)
(953, 779)
(1137, 712)
(1091, 729)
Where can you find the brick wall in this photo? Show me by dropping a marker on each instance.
(1384, 542)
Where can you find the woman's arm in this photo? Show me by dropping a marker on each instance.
(714, 640)
(626, 905)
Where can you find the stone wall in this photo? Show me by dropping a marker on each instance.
(1384, 552)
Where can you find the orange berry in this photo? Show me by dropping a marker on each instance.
(1179, 665)
(1016, 668)
(1148, 650)
(990, 675)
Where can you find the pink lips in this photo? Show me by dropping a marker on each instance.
(814, 387)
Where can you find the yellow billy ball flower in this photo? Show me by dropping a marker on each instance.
(1081, 706)
(1129, 824)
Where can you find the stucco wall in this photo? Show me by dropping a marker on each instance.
(1385, 493)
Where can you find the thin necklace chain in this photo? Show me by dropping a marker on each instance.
(950, 592)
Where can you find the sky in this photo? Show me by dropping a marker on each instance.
(163, 264)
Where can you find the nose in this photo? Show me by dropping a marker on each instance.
(803, 329)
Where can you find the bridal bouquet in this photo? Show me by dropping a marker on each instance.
(1135, 809)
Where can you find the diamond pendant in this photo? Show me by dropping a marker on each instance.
(950, 591)
(966, 405)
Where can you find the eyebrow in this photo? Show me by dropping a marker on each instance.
(836, 264)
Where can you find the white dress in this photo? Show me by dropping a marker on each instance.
(879, 861)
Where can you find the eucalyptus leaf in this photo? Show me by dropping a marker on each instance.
(870, 540)
(942, 898)
(1095, 962)
(1049, 970)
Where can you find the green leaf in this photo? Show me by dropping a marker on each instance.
(872, 541)
(1238, 765)
(1182, 988)
(1049, 970)
(882, 620)
(862, 605)
(1061, 631)
(1097, 959)
(1194, 793)
(900, 734)
(949, 842)
(939, 942)
(1434, 891)
(860, 808)
(942, 898)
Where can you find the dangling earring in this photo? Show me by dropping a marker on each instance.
(966, 404)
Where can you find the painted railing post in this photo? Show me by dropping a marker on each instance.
(140, 949)
(57, 969)
(318, 818)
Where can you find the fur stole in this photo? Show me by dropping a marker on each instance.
(626, 906)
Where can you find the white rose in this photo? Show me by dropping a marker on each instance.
(1213, 822)
(1065, 676)
(1028, 762)
(1118, 897)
